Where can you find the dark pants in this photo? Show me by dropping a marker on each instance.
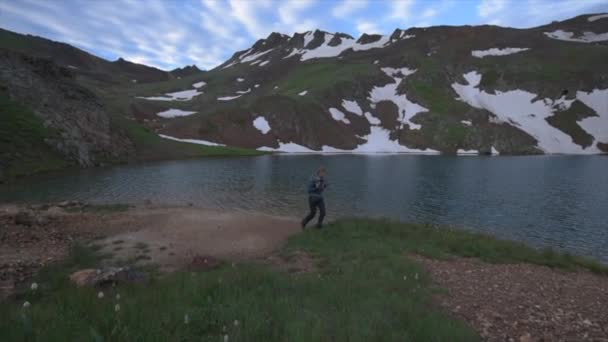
(315, 202)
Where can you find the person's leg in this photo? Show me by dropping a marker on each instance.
(313, 211)
(321, 206)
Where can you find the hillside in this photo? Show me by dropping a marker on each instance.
(54, 116)
(454, 90)
(467, 90)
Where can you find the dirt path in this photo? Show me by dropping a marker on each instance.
(172, 237)
(523, 302)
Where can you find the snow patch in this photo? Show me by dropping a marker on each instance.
(352, 106)
(261, 124)
(241, 92)
(466, 122)
(597, 17)
(461, 152)
(288, 148)
(308, 37)
(254, 56)
(240, 79)
(293, 52)
(587, 37)
(376, 61)
(174, 113)
(185, 95)
(264, 63)
(372, 119)
(303, 93)
(192, 141)
(199, 84)
(496, 52)
(406, 109)
(494, 151)
(338, 115)
(228, 98)
(378, 141)
(517, 108)
(325, 50)
(256, 86)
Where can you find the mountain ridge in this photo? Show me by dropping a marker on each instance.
(445, 89)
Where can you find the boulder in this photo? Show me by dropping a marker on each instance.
(84, 277)
(108, 276)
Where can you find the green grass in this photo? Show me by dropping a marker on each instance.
(357, 293)
(23, 150)
(320, 76)
(150, 146)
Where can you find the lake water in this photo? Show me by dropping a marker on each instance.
(558, 201)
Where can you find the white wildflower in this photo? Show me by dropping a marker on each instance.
(226, 338)
(100, 295)
(236, 322)
(416, 276)
(186, 319)
(117, 307)
(404, 277)
(26, 305)
(34, 286)
(118, 296)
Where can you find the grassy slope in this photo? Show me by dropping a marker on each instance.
(22, 145)
(358, 293)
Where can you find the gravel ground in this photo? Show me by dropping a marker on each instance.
(523, 302)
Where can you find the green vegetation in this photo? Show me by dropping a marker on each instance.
(319, 76)
(361, 287)
(149, 146)
(428, 85)
(23, 149)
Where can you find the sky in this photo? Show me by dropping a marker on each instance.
(174, 33)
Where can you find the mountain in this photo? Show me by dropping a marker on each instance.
(467, 89)
(61, 107)
(455, 90)
(81, 62)
(185, 71)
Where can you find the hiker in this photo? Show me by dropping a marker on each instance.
(315, 197)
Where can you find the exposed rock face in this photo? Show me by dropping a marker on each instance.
(84, 132)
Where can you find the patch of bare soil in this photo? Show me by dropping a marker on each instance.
(172, 238)
(522, 302)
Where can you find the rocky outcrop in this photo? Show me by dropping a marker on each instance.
(83, 131)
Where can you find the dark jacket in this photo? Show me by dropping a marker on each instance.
(316, 185)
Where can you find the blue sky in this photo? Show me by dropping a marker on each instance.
(174, 33)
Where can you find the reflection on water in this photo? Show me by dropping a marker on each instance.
(558, 201)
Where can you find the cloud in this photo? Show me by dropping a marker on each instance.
(429, 13)
(170, 34)
(531, 13)
(290, 17)
(401, 9)
(348, 7)
(368, 27)
(487, 8)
